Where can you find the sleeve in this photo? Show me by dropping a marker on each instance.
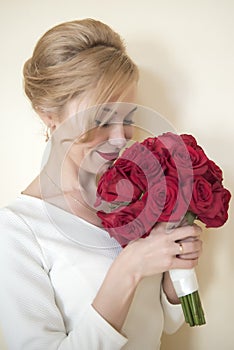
(29, 317)
(173, 315)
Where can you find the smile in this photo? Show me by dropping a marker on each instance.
(108, 156)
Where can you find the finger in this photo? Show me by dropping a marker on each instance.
(190, 256)
(187, 247)
(189, 239)
(185, 232)
(183, 263)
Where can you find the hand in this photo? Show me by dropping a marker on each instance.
(165, 249)
(157, 253)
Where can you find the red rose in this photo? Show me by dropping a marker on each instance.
(189, 140)
(189, 160)
(179, 163)
(113, 186)
(162, 157)
(161, 143)
(145, 168)
(124, 224)
(202, 196)
(147, 173)
(217, 213)
(213, 173)
(127, 168)
(165, 201)
(150, 143)
(161, 149)
(169, 140)
(158, 149)
(179, 155)
(154, 201)
(161, 146)
(175, 206)
(198, 159)
(185, 154)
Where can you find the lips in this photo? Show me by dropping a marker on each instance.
(108, 156)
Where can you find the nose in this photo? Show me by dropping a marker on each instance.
(117, 136)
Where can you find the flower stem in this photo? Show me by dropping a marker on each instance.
(192, 309)
(190, 217)
(191, 303)
(187, 314)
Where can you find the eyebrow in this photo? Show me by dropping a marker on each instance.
(133, 110)
(107, 109)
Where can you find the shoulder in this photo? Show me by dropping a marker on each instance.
(17, 237)
(21, 216)
(11, 223)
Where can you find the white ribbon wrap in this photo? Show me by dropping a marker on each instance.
(184, 281)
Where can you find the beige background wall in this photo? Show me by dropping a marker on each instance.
(185, 51)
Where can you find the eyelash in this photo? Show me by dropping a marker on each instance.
(105, 125)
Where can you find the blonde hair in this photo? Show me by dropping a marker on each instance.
(74, 59)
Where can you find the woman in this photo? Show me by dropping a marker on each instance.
(65, 283)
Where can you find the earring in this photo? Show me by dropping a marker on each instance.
(47, 134)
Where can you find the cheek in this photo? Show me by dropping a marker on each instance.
(77, 153)
(99, 137)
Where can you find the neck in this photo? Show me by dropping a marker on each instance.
(79, 199)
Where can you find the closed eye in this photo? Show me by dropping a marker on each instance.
(106, 125)
(102, 125)
(128, 122)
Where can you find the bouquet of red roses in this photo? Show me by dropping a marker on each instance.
(168, 178)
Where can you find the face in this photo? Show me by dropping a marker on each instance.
(112, 127)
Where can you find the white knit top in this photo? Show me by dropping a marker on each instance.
(52, 264)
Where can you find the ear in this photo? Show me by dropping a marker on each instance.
(48, 119)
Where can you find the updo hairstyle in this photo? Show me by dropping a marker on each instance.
(75, 59)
